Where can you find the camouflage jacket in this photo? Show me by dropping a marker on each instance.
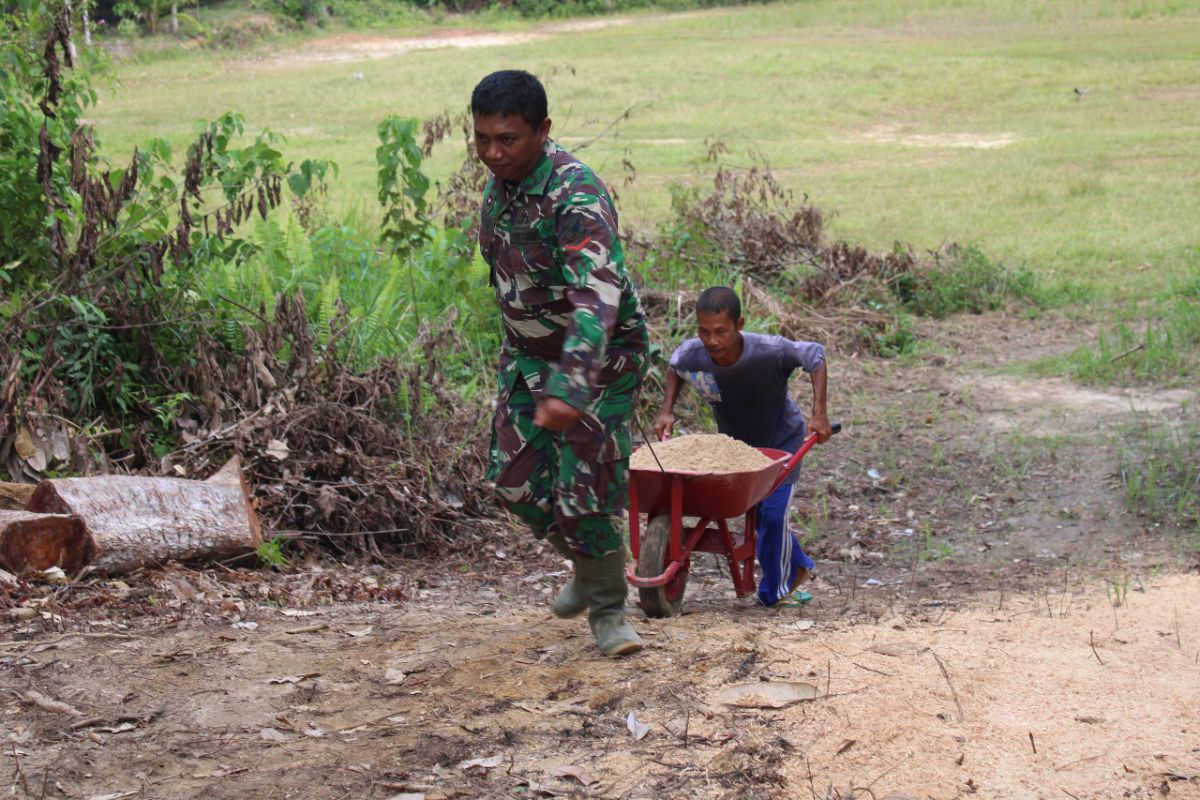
(572, 320)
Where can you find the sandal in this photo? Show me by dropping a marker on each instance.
(796, 599)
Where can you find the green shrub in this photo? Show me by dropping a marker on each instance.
(962, 279)
(98, 321)
(243, 30)
(376, 294)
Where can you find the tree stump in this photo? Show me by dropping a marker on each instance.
(30, 542)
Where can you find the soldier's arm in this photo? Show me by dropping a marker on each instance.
(594, 265)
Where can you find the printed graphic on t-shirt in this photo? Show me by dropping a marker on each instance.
(705, 384)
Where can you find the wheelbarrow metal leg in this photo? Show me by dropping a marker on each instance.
(635, 522)
(742, 558)
(676, 519)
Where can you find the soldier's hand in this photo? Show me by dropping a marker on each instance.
(555, 415)
(664, 423)
(819, 424)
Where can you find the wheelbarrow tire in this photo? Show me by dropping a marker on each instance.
(667, 600)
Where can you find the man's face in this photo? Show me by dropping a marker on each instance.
(508, 145)
(721, 336)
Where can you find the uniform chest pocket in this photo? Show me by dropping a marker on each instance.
(487, 239)
(530, 259)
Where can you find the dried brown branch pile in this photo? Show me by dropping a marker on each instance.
(753, 223)
(389, 460)
(750, 225)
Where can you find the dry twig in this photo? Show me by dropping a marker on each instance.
(1092, 639)
(946, 675)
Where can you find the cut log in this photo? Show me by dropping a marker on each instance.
(15, 496)
(30, 541)
(134, 521)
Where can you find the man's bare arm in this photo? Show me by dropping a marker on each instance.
(664, 423)
(818, 421)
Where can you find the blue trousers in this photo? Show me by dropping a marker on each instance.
(779, 553)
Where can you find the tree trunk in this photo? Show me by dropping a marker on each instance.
(174, 16)
(30, 541)
(87, 23)
(135, 521)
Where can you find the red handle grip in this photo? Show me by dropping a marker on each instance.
(807, 445)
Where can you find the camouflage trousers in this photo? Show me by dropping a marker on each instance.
(574, 481)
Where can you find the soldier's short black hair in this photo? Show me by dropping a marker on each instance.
(716, 299)
(511, 91)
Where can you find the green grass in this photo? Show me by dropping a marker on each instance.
(1159, 467)
(1157, 342)
(878, 110)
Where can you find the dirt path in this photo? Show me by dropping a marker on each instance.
(349, 47)
(384, 700)
(988, 619)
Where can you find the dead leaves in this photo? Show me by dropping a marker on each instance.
(637, 730)
(41, 443)
(272, 735)
(481, 764)
(572, 771)
(277, 449)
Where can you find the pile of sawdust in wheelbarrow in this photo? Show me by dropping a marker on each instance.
(700, 452)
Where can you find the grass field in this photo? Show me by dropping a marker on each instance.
(919, 121)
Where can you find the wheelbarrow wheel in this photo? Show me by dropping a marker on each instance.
(655, 556)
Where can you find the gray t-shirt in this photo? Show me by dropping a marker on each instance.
(750, 397)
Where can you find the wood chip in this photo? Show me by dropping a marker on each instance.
(50, 704)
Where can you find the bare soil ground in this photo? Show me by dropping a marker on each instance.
(988, 619)
(348, 47)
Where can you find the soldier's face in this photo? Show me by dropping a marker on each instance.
(721, 335)
(508, 145)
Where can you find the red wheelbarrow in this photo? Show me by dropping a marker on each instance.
(663, 553)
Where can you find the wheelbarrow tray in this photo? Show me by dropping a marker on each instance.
(712, 495)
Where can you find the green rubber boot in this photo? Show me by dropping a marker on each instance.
(571, 601)
(603, 581)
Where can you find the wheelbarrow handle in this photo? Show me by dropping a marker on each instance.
(807, 445)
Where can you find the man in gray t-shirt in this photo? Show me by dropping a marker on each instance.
(744, 378)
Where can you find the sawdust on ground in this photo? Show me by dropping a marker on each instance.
(1049, 694)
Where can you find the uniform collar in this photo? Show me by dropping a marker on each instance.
(535, 182)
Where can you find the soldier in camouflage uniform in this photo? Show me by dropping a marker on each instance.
(574, 351)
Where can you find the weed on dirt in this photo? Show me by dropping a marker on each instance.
(1161, 348)
(1159, 466)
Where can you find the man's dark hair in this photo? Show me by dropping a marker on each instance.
(511, 91)
(716, 299)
